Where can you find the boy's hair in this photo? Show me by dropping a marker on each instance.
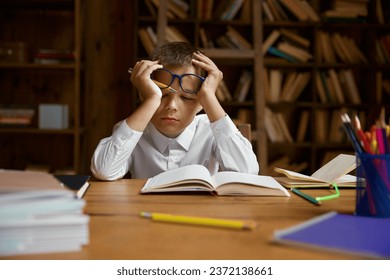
(174, 54)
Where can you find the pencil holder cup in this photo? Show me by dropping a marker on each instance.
(373, 185)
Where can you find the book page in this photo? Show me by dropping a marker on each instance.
(334, 169)
(190, 175)
(297, 176)
(243, 183)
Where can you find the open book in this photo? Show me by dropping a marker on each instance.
(335, 171)
(198, 178)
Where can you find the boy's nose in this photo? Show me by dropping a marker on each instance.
(172, 101)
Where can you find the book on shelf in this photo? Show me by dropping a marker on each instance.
(152, 35)
(332, 231)
(296, 9)
(335, 84)
(242, 88)
(323, 93)
(326, 50)
(274, 10)
(172, 34)
(267, 13)
(54, 56)
(322, 125)
(298, 53)
(273, 128)
(204, 9)
(295, 38)
(146, 40)
(293, 91)
(349, 86)
(310, 11)
(302, 126)
(231, 9)
(281, 122)
(39, 215)
(204, 38)
(275, 84)
(176, 9)
(270, 40)
(379, 12)
(196, 178)
(276, 52)
(335, 171)
(223, 93)
(16, 115)
(238, 39)
(347, 9)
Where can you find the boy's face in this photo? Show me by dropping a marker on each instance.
(177, 109)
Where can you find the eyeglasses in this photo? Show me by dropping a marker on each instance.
(189, 83)
(317, 200)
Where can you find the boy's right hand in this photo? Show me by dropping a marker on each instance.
(140, 77)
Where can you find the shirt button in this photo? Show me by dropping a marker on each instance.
(123, 137)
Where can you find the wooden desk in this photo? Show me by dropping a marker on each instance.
(117, 232)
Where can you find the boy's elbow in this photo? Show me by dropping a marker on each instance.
(104, 174)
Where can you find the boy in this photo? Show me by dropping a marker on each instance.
(165, 132)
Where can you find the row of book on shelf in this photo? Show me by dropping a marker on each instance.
(282, 43)
(302, 10)
(332, 47)
(205, 9)
(332, 86)
(50, 116)
(273, 10)
(327, 123)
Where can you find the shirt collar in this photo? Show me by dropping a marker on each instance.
(162, 142)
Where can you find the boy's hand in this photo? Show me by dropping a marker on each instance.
(140, 77)
(214, 75)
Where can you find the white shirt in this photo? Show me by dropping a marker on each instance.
(217, 146)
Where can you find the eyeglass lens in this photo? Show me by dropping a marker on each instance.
(189, 83)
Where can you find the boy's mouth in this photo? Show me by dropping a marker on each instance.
(169, 119)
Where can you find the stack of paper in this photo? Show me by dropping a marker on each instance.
(39, 215)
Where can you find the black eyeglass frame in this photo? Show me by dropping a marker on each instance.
(174, 76)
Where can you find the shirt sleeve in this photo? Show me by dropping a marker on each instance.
(110, 160)
(233, 151)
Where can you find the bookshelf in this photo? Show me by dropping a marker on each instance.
(294, 101)
(40, 67)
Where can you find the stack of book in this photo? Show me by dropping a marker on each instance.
(54, 56)
(16, 116)
(39, 215)
(343, 10)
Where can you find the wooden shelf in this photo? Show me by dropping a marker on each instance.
(36, 25)
(256, 30)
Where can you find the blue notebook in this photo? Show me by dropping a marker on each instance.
(359, 235)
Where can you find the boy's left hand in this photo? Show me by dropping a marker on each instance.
(214, 75)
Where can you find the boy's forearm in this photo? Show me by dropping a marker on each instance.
(142, 115)
(212, 108)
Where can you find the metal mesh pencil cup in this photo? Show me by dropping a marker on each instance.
(373, 185)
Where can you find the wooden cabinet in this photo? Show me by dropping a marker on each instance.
(308, 146)
(47, 70)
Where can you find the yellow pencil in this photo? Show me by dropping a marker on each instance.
(160, 85)
(234, 224)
